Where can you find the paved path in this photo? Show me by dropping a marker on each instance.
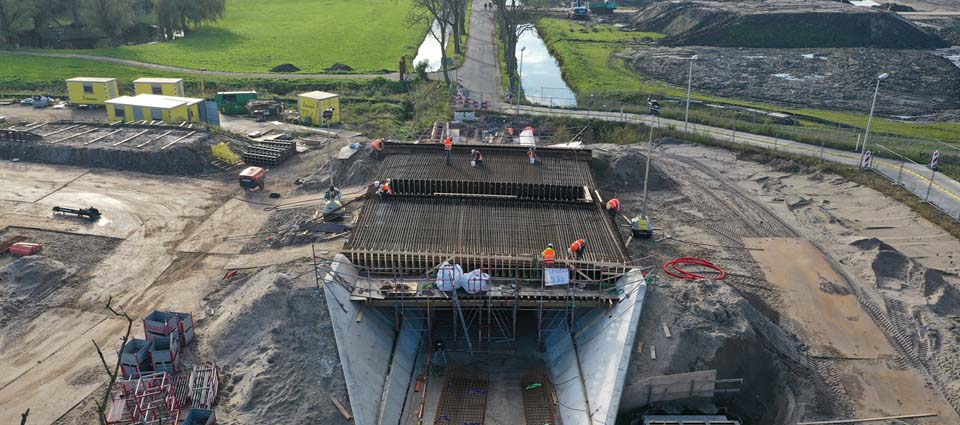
(138, 64)
(944, 192)
(481, 69)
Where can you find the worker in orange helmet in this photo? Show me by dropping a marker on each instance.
(549, 255)
(448, 147)
(577, 248)
(378, 148)
(613, 207)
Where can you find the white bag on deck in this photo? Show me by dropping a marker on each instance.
(448, 276)
(475, 282)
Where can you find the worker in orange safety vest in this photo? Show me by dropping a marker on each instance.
(576, 248)
(549, 255)
(613, 207)
(448, 147)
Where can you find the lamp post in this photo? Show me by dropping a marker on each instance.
(686, 114)
(203, 93)
(863, 149)
(646, 169)
(519, 80)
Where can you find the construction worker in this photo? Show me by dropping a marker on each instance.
(332, 194)
(476, 157)
(378, 148)
(532, 155)
(613, 207)
(576, 248)
(448, 147)
(385, 188)
(549, 255)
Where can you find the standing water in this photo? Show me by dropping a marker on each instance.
(540, 75)
(430, 49)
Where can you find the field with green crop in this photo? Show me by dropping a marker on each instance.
(256, 35)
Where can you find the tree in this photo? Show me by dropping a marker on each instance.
(458, 11)
(513, 20)
(439, 11)
(110, 17)
(105, 402)
(15, 18)
(175, 16)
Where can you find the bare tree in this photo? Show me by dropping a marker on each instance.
(458, 12)
(15, 17)
(102, 405)
(513, 19)
(439, 11)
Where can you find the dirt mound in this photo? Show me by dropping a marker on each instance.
(895, 7)
(360, 169)
(714, 327)
(619, 167)
(32, 277)
(870, 244)
(780, 23)
(942, 297)
(274, 338)
(286, 67)
(182, 159)
(339, 67)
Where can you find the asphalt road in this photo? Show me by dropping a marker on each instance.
(944, 192)
(480, 71)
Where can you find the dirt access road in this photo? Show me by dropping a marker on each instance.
(168, 234)
(848, 285)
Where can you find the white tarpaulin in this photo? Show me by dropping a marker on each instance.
(475, 281)
(526, 137)
(448, 276)
(557, 277)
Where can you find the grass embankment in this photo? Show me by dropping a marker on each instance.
(587, 57)
(256, 35)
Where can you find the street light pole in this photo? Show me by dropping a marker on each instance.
(863, 149)
(686, 114)
(519, 80)
(646, 171)
(203, 93)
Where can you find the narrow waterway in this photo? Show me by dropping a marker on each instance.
(430, 49)
(540, 75)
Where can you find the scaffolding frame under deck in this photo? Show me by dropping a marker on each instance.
(478, 322)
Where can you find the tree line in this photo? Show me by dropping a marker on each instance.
(30, 21)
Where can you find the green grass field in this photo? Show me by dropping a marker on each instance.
(256, 35)
(586, 55)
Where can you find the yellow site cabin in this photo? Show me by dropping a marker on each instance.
(159, 86)
(151, 107)
(92, 91)
(319, 108)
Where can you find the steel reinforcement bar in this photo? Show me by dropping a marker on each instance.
(545, 192)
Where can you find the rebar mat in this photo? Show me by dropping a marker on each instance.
(463, 400)
(537, 399)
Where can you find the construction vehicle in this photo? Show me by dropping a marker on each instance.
(654, 106)
(261, 110)
(579, 11)
(641, 227)
(252, 178)
(605, 7)
(91, 213)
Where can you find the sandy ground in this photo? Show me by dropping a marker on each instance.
(865, 366)
(170, 239)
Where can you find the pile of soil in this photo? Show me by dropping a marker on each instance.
(191, 158)
(286, 67)
(895, 7)
(921, 81)
(714, 327)
(339, 67)
(781, 24)
(28, 281)
(359, 169)
(621, 167)
(272, 334)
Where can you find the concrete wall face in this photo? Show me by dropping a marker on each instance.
(365, 348)
(590, 366)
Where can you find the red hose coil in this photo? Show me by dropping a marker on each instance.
(673, 268)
